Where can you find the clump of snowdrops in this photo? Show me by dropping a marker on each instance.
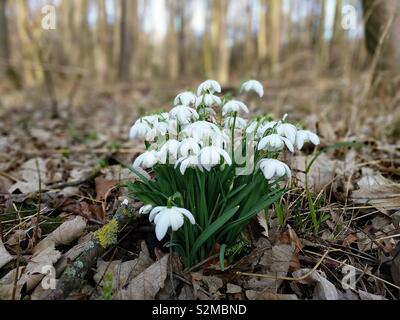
(207, 170)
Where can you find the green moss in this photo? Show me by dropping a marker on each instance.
(107, 235)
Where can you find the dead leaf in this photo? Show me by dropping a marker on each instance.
(369, 296)
(377, 191)
(5, 257)
(233, 288)
(265, 295)
(321, 172)
(103, 186)
(263, 223)
(123, 272)
(29, 173)
(7, 285)
(64, 234)
(274, 262)
(324, 289)
(147, 284)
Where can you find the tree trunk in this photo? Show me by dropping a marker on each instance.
(274, 31)
(336, 48)
(172, 42)
(101, 56)
(125, 42)
(223, 52)
(262, 34)
(321, 42)
(377, 14)
(4, 44)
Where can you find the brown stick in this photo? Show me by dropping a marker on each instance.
(73, 276)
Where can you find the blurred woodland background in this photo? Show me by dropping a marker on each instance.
(137, 40)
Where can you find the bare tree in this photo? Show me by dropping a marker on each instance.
(4, 43)
(378, 14)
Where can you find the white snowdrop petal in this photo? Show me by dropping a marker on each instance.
(162, 227)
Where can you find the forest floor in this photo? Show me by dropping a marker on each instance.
(61, 179)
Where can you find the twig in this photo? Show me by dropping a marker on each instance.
(72, 277)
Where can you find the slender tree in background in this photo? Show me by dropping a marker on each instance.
(126, 41)
(321, 41)
(4, 43)
(101, 52)
(275, 31)
(336, 45)
(223, 49)
(207, 43)
(172, 46)
(377, 15)
(262, 34)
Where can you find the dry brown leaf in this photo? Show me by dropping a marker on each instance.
(103, 186)
(29, 173)
(265, 295)
(64, 234)
(5, 257)
(147, 284)
(320, 175)
(377, 191)
(123, 272)
(263, 223)
(369, 296)
(233, 288)
(7, 285)
(274, 262)
(324, 289)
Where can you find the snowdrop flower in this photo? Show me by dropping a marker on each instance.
(159, 129)
(306, 136)
(151, 120)
(183, 114)
(274, 142)
(240, 123)
(211, 156)
(209, 86)
(146, 160)
(201, 130)
(169, 150)
(208, 99)
(272, 168)
(189, 146)
(185, 98)
(234, 106)
(165, 217)
(263, 129)
(139, 130)
(191, 161)
(145, 209)
(253, 85)
(287, 130)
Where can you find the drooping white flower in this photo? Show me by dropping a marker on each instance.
(208, 100)
(165, 217)
(139, 130)
(150, 120)
(234, 106)
(209, 86)
(183, 114)
(169, 151)
(201, 130)
(263, 128)
(253, 85)
(211, 156)
(287, 130)
(145, 209)
(146, 160)
(185, 98)
(240, 123)
(274, 142)
(189, 146)
(191, 161)
(160, 129)
(272, 168)
(306, 136)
